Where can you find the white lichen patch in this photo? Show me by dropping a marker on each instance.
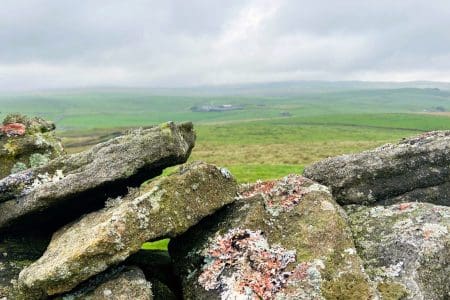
(146, 204)
(327, 206)
(243, 265)
(350, 251)
(226, 173)
(380, 211)
(107, 293)
(393, 270)
(434, 231)
(315, 187)
(154, 197)
(403, 243)
(43, 179)
(304, 282)
(112, 202)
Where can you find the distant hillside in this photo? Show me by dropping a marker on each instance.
(106, 108)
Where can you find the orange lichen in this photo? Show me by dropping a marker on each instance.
(281, 194)
(13, 129)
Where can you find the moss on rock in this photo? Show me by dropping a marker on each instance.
(294, 222)
(347, 287)
(392, 291)
(37, 141)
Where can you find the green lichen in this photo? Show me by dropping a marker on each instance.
(18, 167)
(166, 128)
(392, 291)
(38, 159)
(346, 287)
(11, 147)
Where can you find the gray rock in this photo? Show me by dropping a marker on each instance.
(390, 171)
(405, 248)
(161, 291)
(166, 207)
(26, 142)
(285, 239)
(17, 253)
(158, 268)
(120, 283)
(73, 184)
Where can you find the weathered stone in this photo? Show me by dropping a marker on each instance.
(389, 171)
(162, 292)
(120, 283)
(439, 194)
(70, 185)
(165, 207)
(23, 140)
(405, 248)
(285, 239)
(17, 253)
(158, 268)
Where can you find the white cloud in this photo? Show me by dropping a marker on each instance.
(52, 43)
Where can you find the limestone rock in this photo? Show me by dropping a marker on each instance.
(165, 207)
(120, 283)
(71, 185)
(285, 239)
(405, 248)
(25, 143)
(381, 175)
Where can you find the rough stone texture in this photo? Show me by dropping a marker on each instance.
(68, 185)
(121, 283)
(158, 268)
(390, 171)
(285, 239)
(162, 292)
(405, 248)
(25, 143)
(165, 207)
(15, 254)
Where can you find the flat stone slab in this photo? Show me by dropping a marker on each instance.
(383, 174)
(70, 185)
(165, 207)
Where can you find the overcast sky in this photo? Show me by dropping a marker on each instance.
(63, 43)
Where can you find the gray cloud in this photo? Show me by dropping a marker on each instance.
(60, 43)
